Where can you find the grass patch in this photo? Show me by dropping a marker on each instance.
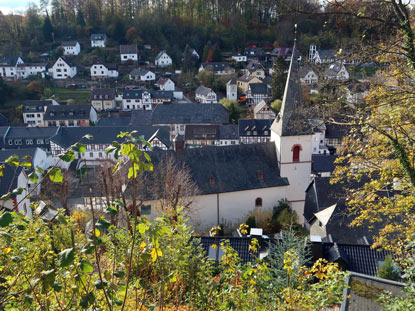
(78, 96)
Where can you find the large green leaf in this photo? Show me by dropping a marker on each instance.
(5, 219)
(86, 266)
(68, 156)
(66, 257)
(55, 175)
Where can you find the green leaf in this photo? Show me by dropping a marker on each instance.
(61, 219)
(16, 259)
(33, 177)
(57, 287)
(88, 249)
(68, 156)
(18, 191)
(87, 300)
(66, 257)
(100, 285)
(86, 266)
(119, 203)
(5, 219)
(48, 278)
(103, 224)
(6, 197)
(6, 236)
(111, 210)
(2, 167)
(55, 175)
(142, 228)
(78, 147)
(13, 160)
(40, 170)
(119, 273)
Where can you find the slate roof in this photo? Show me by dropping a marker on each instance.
(323, 163)
(5, 154)
(160, 54)
(102, 94)
(109, 66)
(228, 131)
(357, 258)
(36, 105)
(259, 125)
(3, 120)
(262, 104)
(68, 112)
(141, 117)
(196, 131)
(31, 132)
(259, 89)
(256, 51)
(190, 113)
(253, 66)
(321, 195)
(204, 91)
(104, 135)
(247, 78)
(98, 36)
(325, 54)
(69, 43)
(291, 121)
(240, 244)
(113, 121)
(221, 169)
(139, 72)
(162, 81)
(305, 70)
(231, 81)
(8, 60)
(3, 131)
(128, 49)
(333, 69)
(282, 52)
(336, 131)
(6, 180)
(68, 61)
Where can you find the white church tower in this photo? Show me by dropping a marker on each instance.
(312, 53)
(292, 134)
(232, 89)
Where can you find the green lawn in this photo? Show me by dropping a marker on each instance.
(79, 96)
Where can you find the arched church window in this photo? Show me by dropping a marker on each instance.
(258, 202)
(296, 153)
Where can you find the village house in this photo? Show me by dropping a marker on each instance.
(103, 99)
(219, 68)
(18, 137)
(177, 116)
(257, 92)
(205, 95)
(163, 59)
(244, 82)
(26, 70)
(255, 53)
(142, 75)
(286, 53)
(98, 40)
(254, 69)
(144, 99)
(308, 76)
(9, 65)
(232, 89)
(336, 71)
(210, 135)
(71, 48)
(128, 52)
(263, 111)
(14, 178)
(70, 115)
(239, 58)
(102, 138)
(165, 84)
(34, 111)
(253, 131)
(63, 68)
(321, 56)
(101, 70)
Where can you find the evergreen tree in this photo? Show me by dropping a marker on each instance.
(47, 29)
(388, 270)
(279, 77)
(217, 54)
(80, 20)
(206, 50)
(189, 60)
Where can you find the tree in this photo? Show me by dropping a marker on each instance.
(131, 34)
(189, 60)
(233, 109)
(80, 20)
(279, 77)
(47, 29)
(389, 270)
(276, 105)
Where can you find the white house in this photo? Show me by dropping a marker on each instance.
(165, 84)
(32, 69)
(217, 68)
(144, 99)
(98, 40)
(321, 56)
(232, 89)
(240, 58)
(163, 59)
(9, 65)
(71, 48)
(308, 76)
(34, 111)
(100, 71)
(263, 111)
(63, 68)
(142, 75)
(12, 179)
(336, 71)
(205, 95)
(128, 52)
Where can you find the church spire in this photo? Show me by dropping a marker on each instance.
(289, 121)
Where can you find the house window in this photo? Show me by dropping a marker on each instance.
(29, 141)
(258, 202)
(40, 141)
(91, 154)
(296, 153)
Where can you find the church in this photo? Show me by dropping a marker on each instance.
(234, 180)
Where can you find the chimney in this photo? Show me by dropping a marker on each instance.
(178, 143)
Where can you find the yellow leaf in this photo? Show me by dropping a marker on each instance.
(142, 245)
(97, 232)
(153, 254)
(7, 250)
